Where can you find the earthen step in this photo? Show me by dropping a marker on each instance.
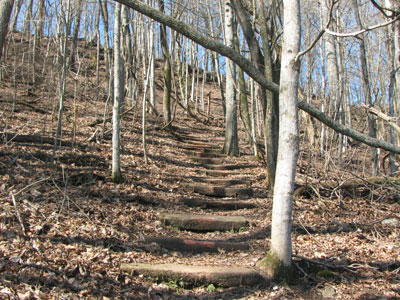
(177, 244)
(207, 160)
(223, 173)
(217, 190)
(204, 222)
(222, 181)
(199, 275)
(218, 204)
(227, 167)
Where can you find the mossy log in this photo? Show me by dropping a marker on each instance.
(227, 167)
(198, 275)
(204, 222)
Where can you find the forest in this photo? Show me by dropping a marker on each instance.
(214, 149)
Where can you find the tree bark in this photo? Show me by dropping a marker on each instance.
(5, 13)
(167, 70)
(278, 261)
(231, 146)
(118, 97)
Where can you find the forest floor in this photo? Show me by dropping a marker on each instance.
(65, 228)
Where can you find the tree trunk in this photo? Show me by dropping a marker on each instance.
(231, 146)
(118, 97)
(167, 70)
(278, 261)
(367, 90)
(5, 13)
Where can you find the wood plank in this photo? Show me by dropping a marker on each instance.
(222, 181)
(204, 222)
(218, 191)
(195, 245)
(199, 275)
(218, 204)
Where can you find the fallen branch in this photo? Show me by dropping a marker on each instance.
(21, 223)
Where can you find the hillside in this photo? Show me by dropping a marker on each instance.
(66, 229)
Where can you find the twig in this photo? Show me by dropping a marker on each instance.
(21, 223)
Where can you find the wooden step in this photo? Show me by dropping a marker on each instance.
(204, 222)
(222, 181)
(177, 244)
(202, 153)
(218, 204)
(223, 173)
(227, 167)
(199, 275)
(218, 191)
(207, 160)
(198, 147)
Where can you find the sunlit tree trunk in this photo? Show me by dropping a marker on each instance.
(231, 146)
(167, 70)
(278, 261)
(118, 97)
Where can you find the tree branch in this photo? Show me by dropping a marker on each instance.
(357, 33)
(252, 71)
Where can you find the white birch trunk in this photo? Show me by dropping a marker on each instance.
(280, 256)
(231, 146)
(118, 97)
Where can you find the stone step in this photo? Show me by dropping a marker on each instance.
(218, 191)
(222, 181)
(218, 204)
(194, 245)
(204, 222)
(199, 275)
(207, 160)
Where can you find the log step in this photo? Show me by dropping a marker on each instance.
(202, 153)
(194, 147)
(204, 222)
(195, 245)
(218, 191)
(218, 204)
(226, 167)
(199, 275)
(207, 160)
(223, 173)
(222, 181)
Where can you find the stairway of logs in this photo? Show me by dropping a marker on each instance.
(224, 188)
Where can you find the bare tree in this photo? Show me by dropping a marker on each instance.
(5, 13)
(231, 146)
(278, 261)
(118, 97)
